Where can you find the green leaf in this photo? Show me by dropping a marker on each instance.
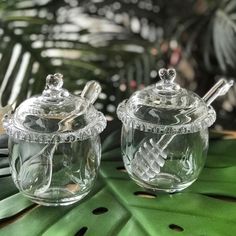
(224, 31)
(112, 154)
(117, 206)
(219, 147)
(12, 205)
(42, 37)
(111, 142)
(7, 187)
(5, 171)
(35, 221)
(103, 199)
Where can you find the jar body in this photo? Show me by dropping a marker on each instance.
(164, 162)
(57, 173)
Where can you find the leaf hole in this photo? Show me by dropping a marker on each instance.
(100, 210)
(145, 194)
(121, 169)
(82, 231)
(176, 228)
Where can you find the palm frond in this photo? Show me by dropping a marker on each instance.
(224, 35)
(38, 39)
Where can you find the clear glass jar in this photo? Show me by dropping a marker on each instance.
(54, 143)
(165, 134)
(186, 155)
(74, 170)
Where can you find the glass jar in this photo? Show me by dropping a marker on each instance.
(54, 143)
(165, 134)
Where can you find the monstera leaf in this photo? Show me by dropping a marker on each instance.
(117, 206)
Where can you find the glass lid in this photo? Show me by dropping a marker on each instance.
(165, 107)
(57, 115)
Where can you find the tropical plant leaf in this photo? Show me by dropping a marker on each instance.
(224, 31)
(42, 37)
(117, 206)
(119, 44)
(111, 141)
(13, 204)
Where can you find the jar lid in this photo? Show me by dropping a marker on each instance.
(55, 116)
(165, 107)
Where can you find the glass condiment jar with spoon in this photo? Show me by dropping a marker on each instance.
(54, 144)
(164, 139)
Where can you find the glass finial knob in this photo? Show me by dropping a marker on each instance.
(167, 75)
(54, 82)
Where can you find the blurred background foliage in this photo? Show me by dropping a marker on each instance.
(122, 44)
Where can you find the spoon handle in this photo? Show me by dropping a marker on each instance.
(90, 92)
(219, 89)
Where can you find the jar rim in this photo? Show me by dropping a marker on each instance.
(96, 125)
(202, 122)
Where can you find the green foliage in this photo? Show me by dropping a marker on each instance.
(117, 206)
(38, 39)
(120, 44)
(224, 31)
